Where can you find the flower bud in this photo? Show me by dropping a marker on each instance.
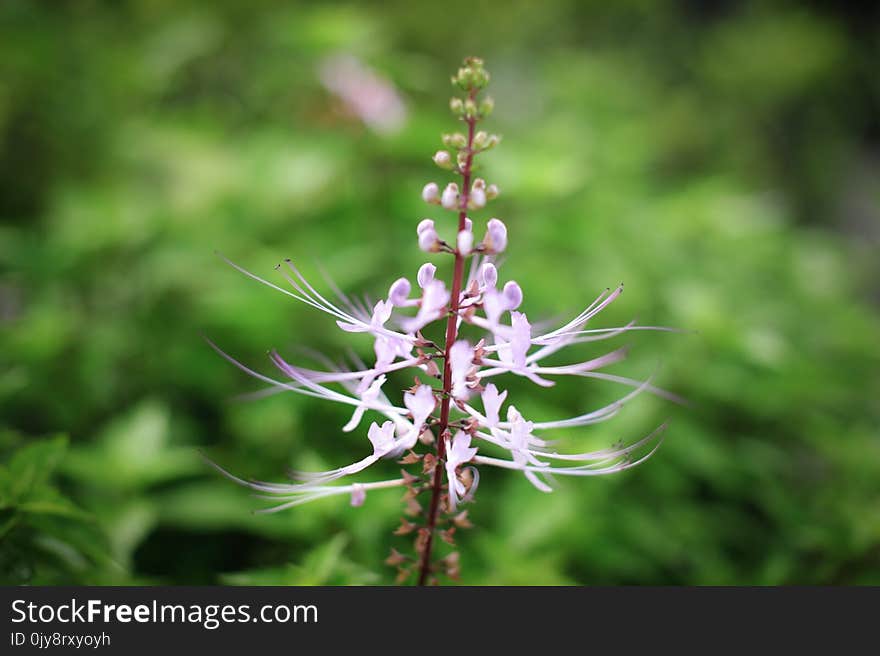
(429, 241)
(492, 141)
(426, 274)
(464, 78)
(468, 224)
(495, 240)
(480, 139)
(479, 183)
(461, 159)
(456, 105)
(492, 192)
(477, 198)
(431, 193)
(465, 242)
(458, 140)
(470, 108)
(399, 292)
(443, 159)
(486, 106)
(449, 199)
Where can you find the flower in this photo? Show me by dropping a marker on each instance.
(507, 343)
(458, 452)
(398, 293)
(432, 306)
(366, 95)
(461, 357)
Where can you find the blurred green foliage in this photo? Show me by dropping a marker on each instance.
(722, 162)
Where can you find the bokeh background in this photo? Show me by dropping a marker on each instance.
(721, 159)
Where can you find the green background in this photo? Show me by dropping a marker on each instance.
(722, 162)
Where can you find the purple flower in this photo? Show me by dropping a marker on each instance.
(508, 344)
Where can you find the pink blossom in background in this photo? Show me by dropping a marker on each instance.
(370, 97)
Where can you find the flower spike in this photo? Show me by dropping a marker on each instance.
(444, 375)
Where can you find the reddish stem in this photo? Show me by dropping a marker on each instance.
(451, 334)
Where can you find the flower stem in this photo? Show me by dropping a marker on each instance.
(451, 334)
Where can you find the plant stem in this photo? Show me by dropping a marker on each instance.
(451, 334)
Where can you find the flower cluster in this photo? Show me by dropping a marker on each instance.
(456, 402)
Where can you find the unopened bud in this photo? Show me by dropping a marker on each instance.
(465, 242)
(449, 199)
(464, 78)
(429, 241)
(495, 240)
(462, 159)
(456, 105)
(486, 106)
(492, 141)
(443, 159)
(477, 199)
(470, 108)
(431, 193)
(480, 139)
(492, 192)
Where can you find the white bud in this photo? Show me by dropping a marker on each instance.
(426, 274)
(477, 199)
(443, 159)
(495, 240)
(468, 224)
(465, 242)
(429, 241)
(480, 139)
(492, 192)
(399, 292)
(431, 193)
(479, 183)
(449, 199)
(424, 224)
